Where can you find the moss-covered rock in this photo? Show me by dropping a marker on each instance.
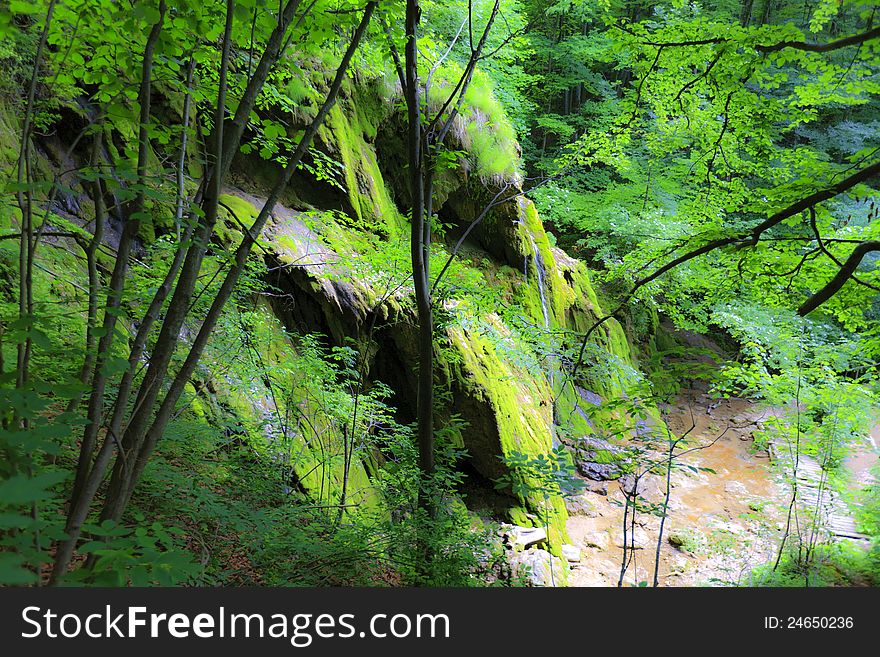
(10, 141)
(508, 410)
(283, 417)
(373, 206)
(336, 269)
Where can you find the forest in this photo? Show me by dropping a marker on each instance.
(474, 293)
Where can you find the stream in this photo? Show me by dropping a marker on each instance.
(722, 524)
(727, 507)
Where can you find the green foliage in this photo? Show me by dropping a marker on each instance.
(839, 564)
(544, 474)
(286, 462)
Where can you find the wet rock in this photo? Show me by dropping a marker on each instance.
(539, 568)
(580, 505)
(597, 459)
(571, 553)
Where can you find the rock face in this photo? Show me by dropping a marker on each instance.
(340, 265)
(597, 459)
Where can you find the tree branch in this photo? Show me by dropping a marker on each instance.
(853, 40)
(843, 275)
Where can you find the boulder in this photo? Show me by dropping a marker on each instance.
(539, 568)
(687, 539)
(525, 536)
(638, 539)
(597, 459)
(571, 553)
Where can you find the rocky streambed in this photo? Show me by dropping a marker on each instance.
(726, 505)
(722, 520)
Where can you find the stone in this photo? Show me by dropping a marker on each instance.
(686, 539)
(598, 459)
(736, 488)
(526, 536)
(597, 540)
(571, 553)
(597, 487)
(580, 505)
(638, 539)
(539, 568)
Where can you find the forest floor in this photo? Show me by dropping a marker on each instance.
(723, 524)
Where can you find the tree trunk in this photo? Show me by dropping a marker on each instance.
(746, 14)
(415, 161)
(126, 476)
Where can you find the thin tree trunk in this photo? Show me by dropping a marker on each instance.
(25, 203)
(122, 486)
(187, 261)
(746, 13)
(181, 164)
(179, 305)
(178, 308)
(269, 58)
(425, 387)
(76, 514)
(766, 10)
(91, 253)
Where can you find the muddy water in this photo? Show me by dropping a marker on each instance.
(731, 519)
(863, 458)
(725, 519)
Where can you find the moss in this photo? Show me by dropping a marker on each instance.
(197, 406)
(234, 213)
(519, 403)
(364, 184)
(572, 301)
(482, 129)
(314, 448)
(572, 412)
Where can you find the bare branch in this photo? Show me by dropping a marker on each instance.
(843, 275)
